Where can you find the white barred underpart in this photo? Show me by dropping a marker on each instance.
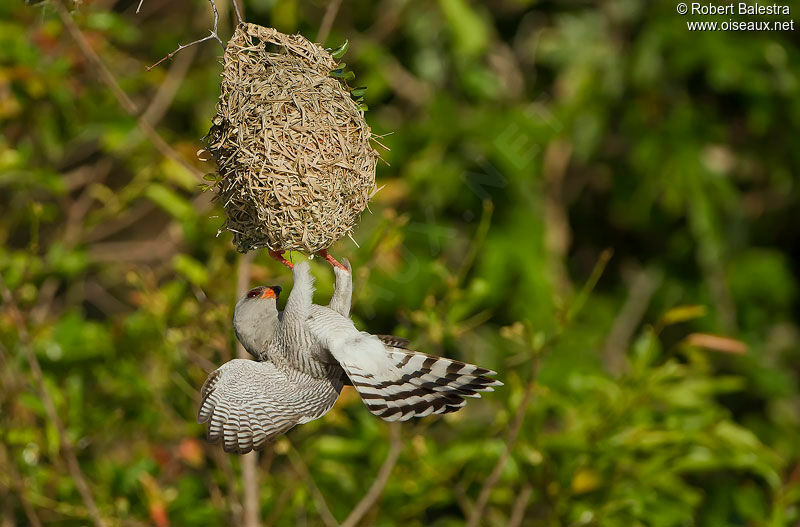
(394, 383)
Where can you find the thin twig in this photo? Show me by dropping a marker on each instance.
(166, 92)
(641, 290)
(223, 462)
(327, 20)
(376, 489)
(279, 504)
(127, 104)
(139, 7)
(464, 503)
(588, 287)
(519, 415)
(557, 233)
(511, 439)
(477, 242)
(66, 447)
(239, 17)
(250, 505)
(198, 41)
(77, 512)
(94, 59)
(302, 470)
(161, 247)
(16, 482)
(520, 505)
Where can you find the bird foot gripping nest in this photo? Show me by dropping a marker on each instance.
(278, 255)
(296, 167)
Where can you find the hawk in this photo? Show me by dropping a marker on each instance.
(307, 353)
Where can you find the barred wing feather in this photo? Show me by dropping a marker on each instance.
(247, 403)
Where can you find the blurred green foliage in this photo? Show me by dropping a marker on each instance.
(523, 139)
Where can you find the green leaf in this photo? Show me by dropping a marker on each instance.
(682, 314)
(470, 30)
(169, 200)
(341, 50)
(190, 268)
(339, 73)
(76, 339)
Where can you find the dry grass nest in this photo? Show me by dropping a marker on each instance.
(296, 167)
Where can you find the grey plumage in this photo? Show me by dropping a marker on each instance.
(306, 354)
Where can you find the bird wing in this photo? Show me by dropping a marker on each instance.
(395, 383)
(247, 403)
(394, 342)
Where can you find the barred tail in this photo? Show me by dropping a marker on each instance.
(396, 383)
(417, 385)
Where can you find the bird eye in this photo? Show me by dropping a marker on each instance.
(254, 292)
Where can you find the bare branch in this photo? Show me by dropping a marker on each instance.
(511, 439)
(327, 20)
(375, 491)
(302, 470)
(223, 462)
(249, 461)
(236, 9)
(50, 408)
(557, 234)
(519, 416)
(18, 485)
(279, 504)
(520, 504)
(642, 287)
(127, 104)
(198, 41)
(166, 92)
(139, 7)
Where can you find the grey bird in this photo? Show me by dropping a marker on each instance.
(307, 353)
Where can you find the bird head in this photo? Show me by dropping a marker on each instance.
(255, 318)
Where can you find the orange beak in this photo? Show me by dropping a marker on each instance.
(268, 293)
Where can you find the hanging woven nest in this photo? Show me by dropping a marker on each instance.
(296, 167)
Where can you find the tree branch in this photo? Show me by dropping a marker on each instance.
(50, 408)
(109, 80)
(376, 489)
(16, 483)
(327, 20)
(302, 470)
(250, 505)
(162, 99)
(520, 504)
(236, 9)
(199, 40)
(519, 416)
(641, 289)
(511, 439)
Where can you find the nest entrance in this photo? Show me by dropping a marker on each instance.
(293, 149)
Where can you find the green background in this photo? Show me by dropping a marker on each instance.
(525, 139)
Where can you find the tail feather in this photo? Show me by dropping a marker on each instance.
(419, 385)
(394, 382)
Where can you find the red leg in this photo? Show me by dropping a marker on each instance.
(330, 259)
(278, 255)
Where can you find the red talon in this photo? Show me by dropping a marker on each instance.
(330, 259)
(278, 255)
